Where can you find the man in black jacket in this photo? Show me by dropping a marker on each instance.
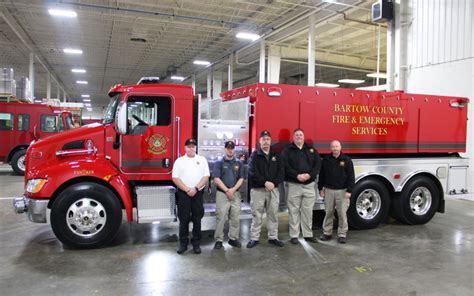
(266, 172)
(302, 165)
(336, 181)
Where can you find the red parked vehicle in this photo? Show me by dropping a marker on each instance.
(22, 123)
(405, 157)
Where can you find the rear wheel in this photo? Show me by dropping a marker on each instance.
(18, 162)
(370, 203)
(86, 215)
(418, 201)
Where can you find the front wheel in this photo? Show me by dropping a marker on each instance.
(86, 215)
(370, 203)
(18, 162)
(418, 201)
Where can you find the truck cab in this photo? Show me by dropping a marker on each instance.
(22, 123)
(86, 176)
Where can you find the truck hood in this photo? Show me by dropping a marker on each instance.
(43, 152)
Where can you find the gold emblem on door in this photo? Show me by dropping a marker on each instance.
(157, 144)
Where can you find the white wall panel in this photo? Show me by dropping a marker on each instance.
(440, 31)
(440, 55)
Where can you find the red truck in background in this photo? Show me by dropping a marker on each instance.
(21, 123)
(404, 146)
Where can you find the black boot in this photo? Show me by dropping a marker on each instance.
(182, 247)
(196, 246)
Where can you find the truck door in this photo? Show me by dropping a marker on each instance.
(6, 133)
(23, 133)
(49, 124)
(148, 146)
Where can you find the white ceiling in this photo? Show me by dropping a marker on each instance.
(178, 32)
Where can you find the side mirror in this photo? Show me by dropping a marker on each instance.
(121, 122)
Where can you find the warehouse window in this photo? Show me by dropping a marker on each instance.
(146, 111)
(6, 122)
(23, 122)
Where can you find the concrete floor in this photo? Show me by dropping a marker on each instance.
(432, 259)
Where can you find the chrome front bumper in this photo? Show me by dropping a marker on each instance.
(35, 208)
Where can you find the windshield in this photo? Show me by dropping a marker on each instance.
(109, 114)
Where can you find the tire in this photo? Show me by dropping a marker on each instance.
(417, 202)
(78, 205)
(18, 162)
(370, 204)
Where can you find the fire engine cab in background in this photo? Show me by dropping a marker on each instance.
(21, 123)
(404, 146)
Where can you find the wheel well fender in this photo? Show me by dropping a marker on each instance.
(121, 192)
(381, 179)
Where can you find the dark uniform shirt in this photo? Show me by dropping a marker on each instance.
(337, 173)
(301, 161)
(263, 168)
(229, 171)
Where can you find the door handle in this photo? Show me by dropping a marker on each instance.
(178, 126)
(166, 162)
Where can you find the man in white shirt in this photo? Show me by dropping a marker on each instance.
(190, 175)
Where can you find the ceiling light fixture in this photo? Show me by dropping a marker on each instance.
(322, 84)
(78, 70)
(72, 51)
(81, 82)
(248, 36)
(85, 96)
(203, 63)
(351, 81)
(180, 78)
(61, 12)
(138, 39)
(377, 75)
(86, 100)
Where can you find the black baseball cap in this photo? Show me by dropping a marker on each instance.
(229, 144)
(190, 141)
(265, 133)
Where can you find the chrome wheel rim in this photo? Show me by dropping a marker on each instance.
(21, 163)
(86, 217)
(368, 204)
(420, 201)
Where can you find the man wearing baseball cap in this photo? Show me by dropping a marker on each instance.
(266, 172)
(190, 175)
(228, 175)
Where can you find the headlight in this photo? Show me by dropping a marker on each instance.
(35, 185)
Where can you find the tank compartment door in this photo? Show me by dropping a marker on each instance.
(218, 122)
(457, 179)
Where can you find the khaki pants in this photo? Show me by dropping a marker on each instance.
(335, 199)
(300, 203)
(264, 201)
(227, 209)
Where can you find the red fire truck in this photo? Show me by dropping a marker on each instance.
(21, 123)
(405, 150)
